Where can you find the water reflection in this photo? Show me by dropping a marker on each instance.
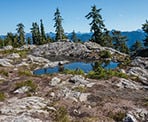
(86, 67)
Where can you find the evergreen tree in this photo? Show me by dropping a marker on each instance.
(9, 39)
(21, 34)
(1, 42)
(43, 35)
(58, 25)
(74, 37)
(145, 29)
(136, 46)
(97, 25)
(29, 40)
(35, 34)
(107, 39)
(119, 42)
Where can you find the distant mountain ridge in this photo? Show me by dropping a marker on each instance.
(132, 36)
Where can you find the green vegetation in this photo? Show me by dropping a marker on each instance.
(119, 42)
(100, 73)
(136, 47)
(21, 34)
(97, 25)
(81, 89)
(105, 54)
(58, 25)
(25, 72)
(2, 96)
(118, 117)
(74, 37)
(74, 72)
(62, 115)
(28, 83)
(145, 29)
(4, 72)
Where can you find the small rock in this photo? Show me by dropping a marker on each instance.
(22, 90)
(83, 97)
(90, 85)
(55, 81)
(129, 118)
(78, 79)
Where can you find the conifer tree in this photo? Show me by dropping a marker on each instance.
(74, 37)
(119, 42)
(35, 34)
(21, 34)
(145, 29)
(97, 25)
(107, 39)
(58, 25)
(43, 35)
(136, 46)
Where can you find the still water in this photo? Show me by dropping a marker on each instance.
(86, 67)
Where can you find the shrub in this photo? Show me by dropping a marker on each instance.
(74, 72)
(3, 72)
(25, 72)
(105, 74)
(28, 83)
(81, 89)
(2, 96)
(62, 115)
(105, 54)
(118, 117)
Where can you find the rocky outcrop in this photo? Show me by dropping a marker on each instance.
(88, 50)
(140, 69)
(124, 83)
(13, 56)
(6, 62)
(22, 109)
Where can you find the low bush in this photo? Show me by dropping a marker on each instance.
(25, 72)
(62, 115)
(102, 73)
(74, 72)
(105, 54)
(118, 117)
(2, 96)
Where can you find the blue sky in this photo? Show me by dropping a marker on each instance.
(124, 15)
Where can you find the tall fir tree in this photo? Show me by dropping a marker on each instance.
(35, 34)
(43, 35)
(97, 25)
(21, 34)
(119, 42)
(74, 37)
(58, 25)
(145, 29)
